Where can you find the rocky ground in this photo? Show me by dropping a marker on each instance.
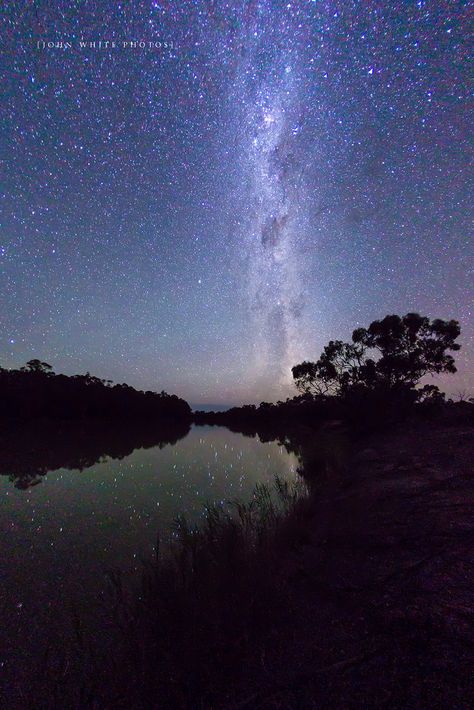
(380, 582)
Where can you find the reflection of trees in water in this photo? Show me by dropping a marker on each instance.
(306, 427)
(28, 452)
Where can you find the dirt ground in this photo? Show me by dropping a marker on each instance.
(380, 587)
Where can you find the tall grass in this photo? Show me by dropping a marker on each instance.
(202, 616)
(205, 606)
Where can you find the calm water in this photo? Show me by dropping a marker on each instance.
(58, 537)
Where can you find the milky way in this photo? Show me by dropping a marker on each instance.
(201, 212)
(274, 281)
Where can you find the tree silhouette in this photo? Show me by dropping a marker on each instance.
(395, 352)
(36, 365)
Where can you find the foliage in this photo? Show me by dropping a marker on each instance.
(340, 362)
(37, 366)
(393, 353)
(36, 391)
(430, 394)
(206, 605)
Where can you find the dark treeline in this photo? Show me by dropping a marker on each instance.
(273, 420)
(359, 412)
(35, 391)
(29, 453)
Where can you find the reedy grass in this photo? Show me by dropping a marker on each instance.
(205, 604)
(204, 609)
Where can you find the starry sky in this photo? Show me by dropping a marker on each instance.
(201, 211)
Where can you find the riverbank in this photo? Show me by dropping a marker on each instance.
(381, 584)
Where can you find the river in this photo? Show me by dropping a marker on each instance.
(60, 535)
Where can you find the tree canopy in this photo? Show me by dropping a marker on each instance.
(394, 352)
(37, 366)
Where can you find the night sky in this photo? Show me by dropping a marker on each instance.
(202, 215)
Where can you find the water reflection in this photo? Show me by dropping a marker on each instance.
(100, 506)
(28, 453)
